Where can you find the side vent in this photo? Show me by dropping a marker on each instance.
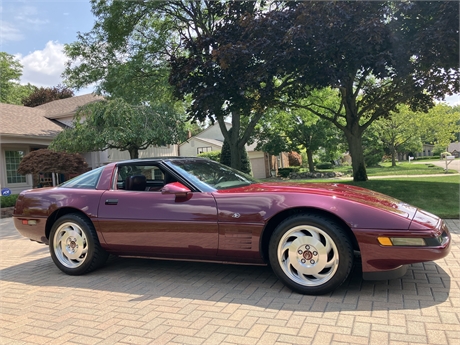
(234, 239)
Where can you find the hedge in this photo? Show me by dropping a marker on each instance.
(8, 201)
(284, 172)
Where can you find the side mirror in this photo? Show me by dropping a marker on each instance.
(175, 188)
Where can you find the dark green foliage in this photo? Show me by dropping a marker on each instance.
(225, 157)
(213, 155)
(284, 172)
(225, 154)
(8, 201)
(245, 164)
(324, 165)
(365, 51)
(117, 124)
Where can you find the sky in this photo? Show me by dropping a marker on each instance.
(35, 32)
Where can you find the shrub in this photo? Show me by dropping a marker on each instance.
(324, 165)
(295, 159)
(212, 155)
(8, 201)
(226, 159)
(284, 172)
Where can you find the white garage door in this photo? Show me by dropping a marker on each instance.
(258, 167)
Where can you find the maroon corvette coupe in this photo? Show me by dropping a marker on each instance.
(197, 209)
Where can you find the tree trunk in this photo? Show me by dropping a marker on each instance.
(133, 152)
(311, 166)
(393, 156)
(235, 155)
(357, 155)
(353, 131)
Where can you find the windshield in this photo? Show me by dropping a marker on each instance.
(87, 180)
(207, 173)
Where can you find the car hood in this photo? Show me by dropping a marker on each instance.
(341, 191)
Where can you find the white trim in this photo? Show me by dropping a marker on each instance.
(3, 180)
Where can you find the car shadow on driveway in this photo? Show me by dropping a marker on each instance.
(425, 285)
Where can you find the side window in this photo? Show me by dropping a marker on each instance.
(140, 178)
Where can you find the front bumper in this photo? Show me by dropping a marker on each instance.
(389, 261)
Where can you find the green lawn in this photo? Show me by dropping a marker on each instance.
(403, 168)
(435, 194)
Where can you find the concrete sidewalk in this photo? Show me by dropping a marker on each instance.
(134, 301)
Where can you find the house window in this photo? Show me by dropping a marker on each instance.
(12, 160)
(203, 149)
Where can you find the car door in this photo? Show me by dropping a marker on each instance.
(154, 223)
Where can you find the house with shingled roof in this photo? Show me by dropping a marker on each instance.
(263, 165)
(24, 129)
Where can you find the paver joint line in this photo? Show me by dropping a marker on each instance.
(142, 302)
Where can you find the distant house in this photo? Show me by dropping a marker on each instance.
(24, 129)
(454, 149)
(212, 139)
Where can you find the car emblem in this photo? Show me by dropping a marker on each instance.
(236, 215)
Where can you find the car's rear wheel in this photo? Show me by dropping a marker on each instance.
(311, 254)
(74, 246)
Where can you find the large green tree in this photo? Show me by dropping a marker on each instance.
(440, 125)
(239, 59)
(301, 129)
(119, 125)
(126, 51)
(376, 54)
(11, 91)
(401, 132)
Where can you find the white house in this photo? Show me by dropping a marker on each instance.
(212, 139)
(454, 149)
(24, 129)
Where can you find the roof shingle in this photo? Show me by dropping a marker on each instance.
(26, 121)
(66, 106)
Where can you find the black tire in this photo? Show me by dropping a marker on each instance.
(74, 246)
(311, 254)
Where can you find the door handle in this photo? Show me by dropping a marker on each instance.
(111, 201)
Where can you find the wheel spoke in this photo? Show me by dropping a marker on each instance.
(314, 234)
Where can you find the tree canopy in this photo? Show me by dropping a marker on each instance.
(241, 58)
(127, 49)
(11, 91)
(119, 125)
(377, 55)
(47, 161)
(300, 129)
(44, 95)
(401, 132)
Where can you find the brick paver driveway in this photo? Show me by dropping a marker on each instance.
(146, 301)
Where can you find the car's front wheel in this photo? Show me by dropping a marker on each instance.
(74, 246)
(311, 254)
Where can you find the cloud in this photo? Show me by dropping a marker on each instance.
(453, 100)
(9, 33)
(24, 18)
(44, 67)
(29, 15)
